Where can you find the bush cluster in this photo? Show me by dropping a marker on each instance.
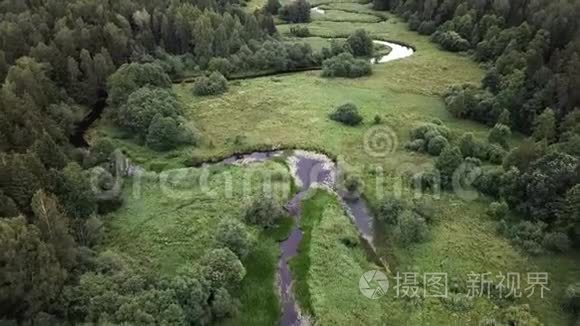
(534, 237)
(264, 212)
(408, 222)
(345, 65)
(300, 31)
(215, 84)
(360, 43)
(155, 115)
(347, 114)
(472, 147)
(451, 41)
(296, 12)
(431, 138)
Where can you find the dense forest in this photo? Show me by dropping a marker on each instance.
(55, 60)
(60, 58)
(531, 52)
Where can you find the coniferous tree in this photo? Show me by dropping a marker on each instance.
(545, 126)
(31, 276)
(50, 153)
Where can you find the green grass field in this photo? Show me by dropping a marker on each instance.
(292, 111)
(168, 222)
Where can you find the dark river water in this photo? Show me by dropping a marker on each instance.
(309, 170)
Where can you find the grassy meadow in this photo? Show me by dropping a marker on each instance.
(291, 110)
(168, 222)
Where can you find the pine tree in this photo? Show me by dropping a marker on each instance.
(203, 39)
(18, 182)
(49, 153)
(545, 126)
(31, 276)
(221, 42)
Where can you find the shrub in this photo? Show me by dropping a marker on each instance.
(214, 85)
(345, 65)
(528, 235)
(347, 114)
(336, 47)
(166, 133)
(360, 43)
(425, 208)
(296, 12)
(263, 211)
(451, 41)
(223, 268)
(300, 31)
(414, 22)
(557, 241)
(427, 28)
(417, 145)
(233, 235)
(428, 131)
(489, 182)
(223, 305)
(130, 77)
(499, 135)
(427, 180)
(378, 120)
(447, 163)
(411, 228)
(163, 133)
(100, 152)
(458, 302)
(497, 210)
(390, 210)
(272, 7)
(436, 145)
(143, 105)
(471, 147)
(221, 65)
(496, 154)
(518, 315)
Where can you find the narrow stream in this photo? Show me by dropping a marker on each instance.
(309, 170)
(398, 51)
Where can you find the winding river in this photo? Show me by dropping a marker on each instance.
(309, 170)
(398, 51)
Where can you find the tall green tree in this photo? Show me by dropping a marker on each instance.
(447, 163)
(54, 227)
(31, 276)
(545, 126)
(130, 77)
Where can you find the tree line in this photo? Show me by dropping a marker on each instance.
(57, 58)
(531, 53)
